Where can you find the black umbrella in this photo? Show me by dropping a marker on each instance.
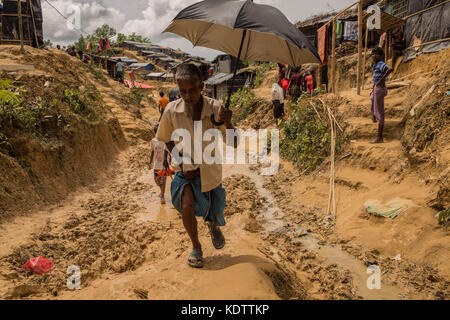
(246, 30)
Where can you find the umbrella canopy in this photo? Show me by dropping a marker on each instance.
(220, 25)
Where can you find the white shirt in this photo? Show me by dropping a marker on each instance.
(176, 116)
(158, 148)
(277, 92)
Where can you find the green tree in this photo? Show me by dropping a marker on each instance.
(81, 43)
(101, 32)
(137, 38)
(121, 38)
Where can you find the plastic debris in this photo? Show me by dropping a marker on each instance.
(39, 265)
(391, 210)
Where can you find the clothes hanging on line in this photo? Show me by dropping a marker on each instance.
(350, 31)
(339, 29)
(322, 44)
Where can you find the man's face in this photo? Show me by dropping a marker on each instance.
(190, 91)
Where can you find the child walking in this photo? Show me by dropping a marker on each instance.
(159, 157)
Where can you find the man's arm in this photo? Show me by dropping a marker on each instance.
(225, 116)
(386, 74)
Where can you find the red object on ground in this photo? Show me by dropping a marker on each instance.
(39, 265)
(285, 84)
(131, 74)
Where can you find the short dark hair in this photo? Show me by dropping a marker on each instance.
(189, 72)
(161, 94)
(378, 50)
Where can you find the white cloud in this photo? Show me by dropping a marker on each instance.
(158, 15)
(92, 15)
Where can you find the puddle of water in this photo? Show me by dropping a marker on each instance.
(153, 210)
(272, 220)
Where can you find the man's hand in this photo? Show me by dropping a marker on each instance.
(189, 175)
(225, 116)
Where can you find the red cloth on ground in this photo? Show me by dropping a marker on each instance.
(322, 44)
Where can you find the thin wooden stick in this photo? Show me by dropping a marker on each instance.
(331, 197)
(360, 28)
(315, 110)
(365, 58)
(340, 128)
(34, 23)
(19, 15)
(424, 10)
(339, 14)
(426, 43)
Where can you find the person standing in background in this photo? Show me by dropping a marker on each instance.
(119, 68)
(380, 72)
(309, 83)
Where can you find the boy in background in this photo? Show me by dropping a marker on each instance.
(159, 157)
(380, 72)
(162, 102)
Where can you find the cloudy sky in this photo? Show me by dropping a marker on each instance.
(150, 17)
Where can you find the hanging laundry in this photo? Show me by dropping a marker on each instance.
(350, 31)
(322, 44)
(339, 29)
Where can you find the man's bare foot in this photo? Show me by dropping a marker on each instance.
(377, 140)
(162, 199)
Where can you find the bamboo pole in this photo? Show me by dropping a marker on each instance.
(333, 59)
(425, 10)
(341, 12)
(19, 15)
(426, 43)
(360, 35)
(366, 39)
(34, 23)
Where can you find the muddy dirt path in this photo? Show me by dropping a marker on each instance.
(128, 246)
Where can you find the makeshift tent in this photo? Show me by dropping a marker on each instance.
(32, 31)
(427, 31)
(141, 66)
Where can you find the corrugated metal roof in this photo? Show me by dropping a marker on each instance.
(219, 78)
(222, 77)
(165, 59)
(155, 74)
(139, 65)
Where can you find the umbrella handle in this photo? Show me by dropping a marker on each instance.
(227, 105)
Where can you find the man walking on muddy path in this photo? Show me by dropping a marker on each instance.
(196, 189)
(380, 72)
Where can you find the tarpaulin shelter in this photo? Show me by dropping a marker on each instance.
(427, 27)
(30, 22)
